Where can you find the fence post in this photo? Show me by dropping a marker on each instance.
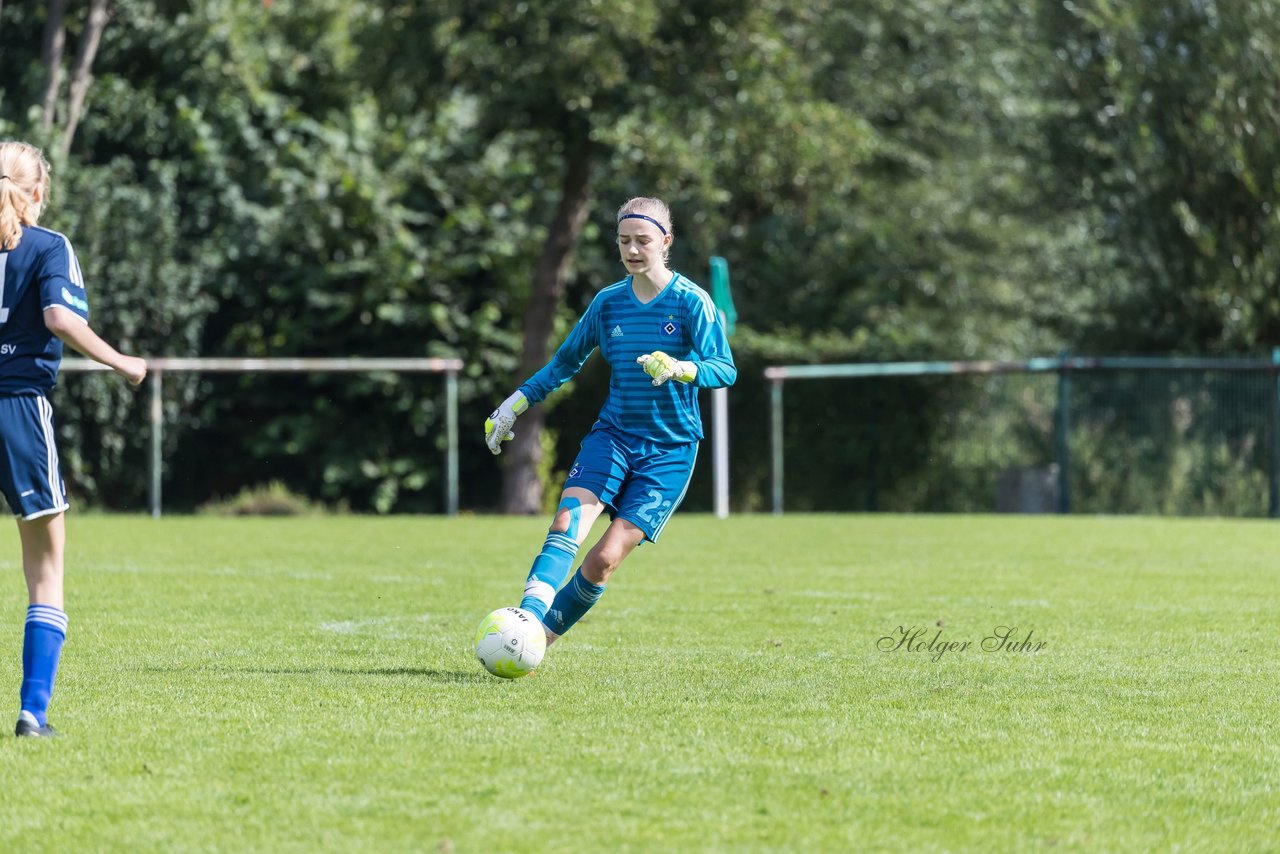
(720, 452)
(451, 441)
(775, 442)
(1062, 429)
(157, 440)
(722, 297)
(1273, 426)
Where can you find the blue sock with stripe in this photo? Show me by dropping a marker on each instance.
(41, 648)
(549, 570)
(554, 561)
(573, 600)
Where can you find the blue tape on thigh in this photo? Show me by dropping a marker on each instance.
(574, 506)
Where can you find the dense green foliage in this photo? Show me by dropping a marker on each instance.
(887, 178)
(729, 692)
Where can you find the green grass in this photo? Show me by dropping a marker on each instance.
(307, 684)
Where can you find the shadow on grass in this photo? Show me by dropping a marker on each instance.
(427, 673)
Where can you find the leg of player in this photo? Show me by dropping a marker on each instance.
(587, 585)
(43, 542)
(578, 510)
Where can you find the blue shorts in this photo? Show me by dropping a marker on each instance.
(29, 474)
(640, 481)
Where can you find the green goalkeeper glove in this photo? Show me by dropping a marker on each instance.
(662, 367)
(497, 427)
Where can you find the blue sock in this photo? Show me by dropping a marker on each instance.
(549, 570)
(554, 561)
(41, 646)
(573, 600)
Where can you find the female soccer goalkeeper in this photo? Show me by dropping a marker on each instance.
(42, 304)
(663, 339)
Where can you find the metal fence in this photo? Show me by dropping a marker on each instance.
(1184, 436)
(158, 367)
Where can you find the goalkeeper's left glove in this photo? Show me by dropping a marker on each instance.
(662, 367)
(497, 427)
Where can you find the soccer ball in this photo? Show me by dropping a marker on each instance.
(510, 642)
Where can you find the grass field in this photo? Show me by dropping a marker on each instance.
(307, 684)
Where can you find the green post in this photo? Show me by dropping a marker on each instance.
(1273, 419)
(1062, 428)
(721, 295)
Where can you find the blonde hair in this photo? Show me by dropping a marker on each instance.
(23, 169)
(653, 210)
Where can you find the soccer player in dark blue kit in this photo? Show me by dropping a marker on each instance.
(42, 304)
(663, 339)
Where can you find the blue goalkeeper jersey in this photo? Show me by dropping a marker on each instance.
(681, 322)
(41, 272)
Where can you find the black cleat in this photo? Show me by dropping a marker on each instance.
(30, 729)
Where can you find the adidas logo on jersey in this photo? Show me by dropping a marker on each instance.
(616, 333)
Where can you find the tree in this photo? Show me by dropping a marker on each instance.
(638, 90)
(1170, 110)
(95, 23)
(889, 179)
(562, 71)
(51, 45)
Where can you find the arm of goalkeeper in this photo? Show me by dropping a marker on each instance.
(662, 367)
(497, 427)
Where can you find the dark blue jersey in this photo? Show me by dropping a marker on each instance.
(40, 273)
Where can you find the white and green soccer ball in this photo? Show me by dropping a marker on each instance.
(510, 642)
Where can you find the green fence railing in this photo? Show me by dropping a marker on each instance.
(1187, 436)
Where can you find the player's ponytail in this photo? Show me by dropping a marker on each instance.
(23, 169)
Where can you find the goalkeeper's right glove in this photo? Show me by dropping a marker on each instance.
(662, 367)
(497, 427)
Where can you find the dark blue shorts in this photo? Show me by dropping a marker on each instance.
(29, 475)
(642, 482)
